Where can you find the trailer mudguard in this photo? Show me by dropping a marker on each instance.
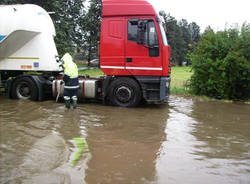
(106, 85)
(39, 82)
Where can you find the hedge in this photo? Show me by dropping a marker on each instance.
(221, 64)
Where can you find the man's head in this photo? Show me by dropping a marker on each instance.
(66, 59)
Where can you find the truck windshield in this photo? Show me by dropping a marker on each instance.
(163, 34)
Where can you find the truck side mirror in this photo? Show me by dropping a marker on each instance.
(152, 37)
(141, 32)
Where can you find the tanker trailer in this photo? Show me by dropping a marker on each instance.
(27, 44)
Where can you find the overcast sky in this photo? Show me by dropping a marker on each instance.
(216, 13)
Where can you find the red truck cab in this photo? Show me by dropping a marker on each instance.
(133, 47)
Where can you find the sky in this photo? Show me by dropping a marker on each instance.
(219, 14)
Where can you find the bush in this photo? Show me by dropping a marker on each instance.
(221, 64)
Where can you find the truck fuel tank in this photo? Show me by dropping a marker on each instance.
(88, 88)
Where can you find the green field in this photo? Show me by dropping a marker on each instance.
(179, 78)
(92, 72)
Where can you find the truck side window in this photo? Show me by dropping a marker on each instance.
(149, 35)
(132, 32)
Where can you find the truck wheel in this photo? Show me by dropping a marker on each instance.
(24, 88)
(125, 92)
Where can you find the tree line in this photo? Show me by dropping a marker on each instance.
(182, 37)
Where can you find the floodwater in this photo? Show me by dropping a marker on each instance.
(186, 141)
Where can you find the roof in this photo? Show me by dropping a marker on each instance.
(127, 8)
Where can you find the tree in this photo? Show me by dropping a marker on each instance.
(92, 28)
(221, 64)
(68, 26)
(186, 36)
(173, 35)
(194, 30)
(181, 37)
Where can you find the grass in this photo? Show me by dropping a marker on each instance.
(92, 73)
(81, 65)
(179, 78)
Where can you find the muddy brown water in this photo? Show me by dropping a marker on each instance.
(185, 141)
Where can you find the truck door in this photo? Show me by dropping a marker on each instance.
(112, 50)
(142, 58)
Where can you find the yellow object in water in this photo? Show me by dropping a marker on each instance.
(81, 145)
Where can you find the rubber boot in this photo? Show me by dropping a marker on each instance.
(74, 98)
(67, 102)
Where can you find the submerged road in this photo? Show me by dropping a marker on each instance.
(185, 141)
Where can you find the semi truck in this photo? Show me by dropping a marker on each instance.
(134, 55)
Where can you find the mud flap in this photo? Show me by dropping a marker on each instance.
(106, 84)
(39, 81)
(9, 87)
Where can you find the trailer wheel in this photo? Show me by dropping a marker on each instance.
(125, 92)
(24, 88)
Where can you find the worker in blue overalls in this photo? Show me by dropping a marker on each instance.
(71, 81)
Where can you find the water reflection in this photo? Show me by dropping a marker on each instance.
(206, 142)
(124, 148)
(224, 128)
(185, 141)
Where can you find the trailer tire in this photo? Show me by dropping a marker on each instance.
(125, 92)
(24, 88)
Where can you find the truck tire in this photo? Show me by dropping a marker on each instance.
(125, 92)
(24, 88)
